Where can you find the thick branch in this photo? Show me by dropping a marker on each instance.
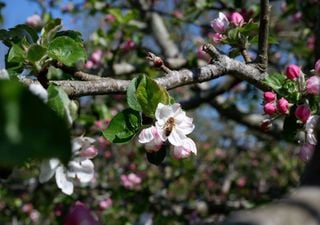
(221, 66)
(262, 58)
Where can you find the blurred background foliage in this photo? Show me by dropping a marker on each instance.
(236, 167)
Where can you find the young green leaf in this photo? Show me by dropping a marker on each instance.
(66, 50)
(29, 129)
(36, 52)
(50, 30)
(123, 126)
(16, 54)
(275, 81)
(131, 94)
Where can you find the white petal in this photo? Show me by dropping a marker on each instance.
(163, 112)
(146, 135)
(82, 169)
(176, 137)
(47, 169)
(184, 151)
(186, 126)
(63, 182)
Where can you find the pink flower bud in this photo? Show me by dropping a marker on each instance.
(283, 106)
(34, 21)
(220, 24)
(303, 112)
(203, 55)
(105, 203)
(317, 67)
(217, 38)
(97, 56)
(313, 85)
(269, 108)
(89, 64)
(89, 153)
(269, 96)
(306, 151)
(80, 214)
(237, 19)
(293, 71)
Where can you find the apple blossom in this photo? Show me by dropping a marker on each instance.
(184, 151)
(80, 168)
(269, 96)
(130, 181)
(237, 19)
(270, 108)
(317, 67)
(313, 85)
(151, 138)
(96, 56)
(311, 125)
(283, 106)
(292, 71)
(4, 74)
(220, 24)
(105, 203)
(217, 38)
(303, 112)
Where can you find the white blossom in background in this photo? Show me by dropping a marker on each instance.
(4, 74)
(173, 125)
(311, 124)
(39, 90)
(80, 168)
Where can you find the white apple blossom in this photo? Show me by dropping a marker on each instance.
(311, 125)
(80, 168)
(173, 125)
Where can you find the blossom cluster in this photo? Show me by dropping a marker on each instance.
(221, 25)
(303, 111)
(171, 125)
(80, 168)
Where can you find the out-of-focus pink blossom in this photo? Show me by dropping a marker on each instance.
(303, 112)
(96, 56)
(269, 108)
(27, 208)
(79, 215)
(34, 216)
(128, 45)
(283, 6)
(283, 106)
(217, 38)
(241, 182)
(203, 55)
(313, 85)
(105, 203)
(306, 151)
(269, 96)
(130, 181)
(317, 67)
(296, 17)
(110, 18)
(34, 21)
(178, 14)
(311, 42)
(89, 64)
(237, 19)
(220, 24)
(292, 71)
(102, 143)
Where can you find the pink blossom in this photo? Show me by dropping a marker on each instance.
(151, 138)
(202, 55)
(80, 214)
(130, 181)
(317, 67)
(303, 112)
(217, 38)
(269, 108)
(89, 64)
(27, 208)
(178, 14)
(306, 151)
(34, 21)
(311, 42)
(297, 17)
(269, 96)
(184, 151)
(89, 153)
(110, 18)
(105, 203)
(313, 85)
(220, 24)
(96, 56)
(283, 106)
(128, 45)
(237, 19)
(34, 215)
(241, 182)
(292, 71)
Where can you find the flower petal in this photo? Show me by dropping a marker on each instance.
(82, 169)
(163, 112)
(64, 183)
(47, 169)
(176, 137)
(184, 151)
(146, 135)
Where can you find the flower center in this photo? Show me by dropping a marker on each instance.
(169, 126)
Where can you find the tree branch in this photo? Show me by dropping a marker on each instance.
(262, 58)
(222, 65)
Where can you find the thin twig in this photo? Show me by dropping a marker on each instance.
(262, 58)
(245, 55)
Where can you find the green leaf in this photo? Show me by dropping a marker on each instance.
(157, 158)
(117, 14)
(66, 50)
(29, 129)
(275, 81)
(131, 94)
(59, 101)
(50, 30)
(36, 52)
(16, 54)
(149, 94)
(123, 126)
(75, 35)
